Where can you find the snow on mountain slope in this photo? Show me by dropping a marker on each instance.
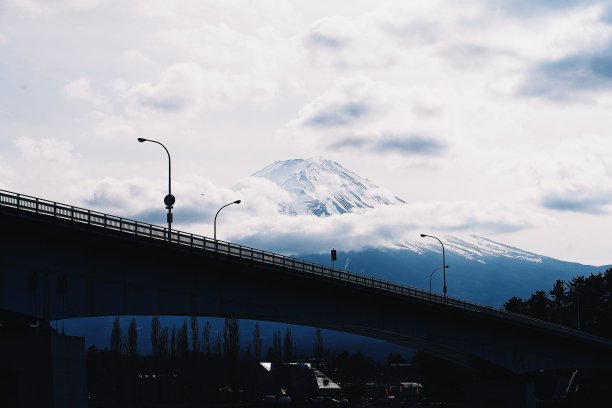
(474, 247)
(322, 187)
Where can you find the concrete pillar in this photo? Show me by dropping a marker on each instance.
(41, 369)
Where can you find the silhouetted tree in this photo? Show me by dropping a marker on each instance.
(218, 346)
(515, 304)
(256, 342)
(231, 339)
(163, 342)
(195, 335)
(115, 339)
(395, 358)
(275, 353)
(206, 349)
(288, 346)
(173, 349)
(132, 340)
(155, 335)
(182, 341)
(584, 302)
(538, 305)
(318, 345)
(354, 368)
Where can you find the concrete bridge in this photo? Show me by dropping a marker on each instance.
(59, 261)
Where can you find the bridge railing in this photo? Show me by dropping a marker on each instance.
(128, 226)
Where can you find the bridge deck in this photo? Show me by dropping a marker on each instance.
(94, 219)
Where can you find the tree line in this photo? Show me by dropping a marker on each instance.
(184, 341)
(584, 303)
(187, 363)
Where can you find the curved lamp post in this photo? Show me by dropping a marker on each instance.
(444, 266)
(169, 199)
(215, 223)
(431, 274)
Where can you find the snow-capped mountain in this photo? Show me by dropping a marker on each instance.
(322, 187)
(474, 247)
(481, 269)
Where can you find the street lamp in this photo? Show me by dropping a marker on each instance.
(169, 199)
(431, 274)
(444, 266)
(215, 223)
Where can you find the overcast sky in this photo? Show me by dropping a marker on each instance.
(489, 117)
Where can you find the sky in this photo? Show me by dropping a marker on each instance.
(488, 117)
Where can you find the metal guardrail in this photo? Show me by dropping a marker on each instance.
(127, 226)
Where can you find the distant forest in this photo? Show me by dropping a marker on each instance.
(583, 303)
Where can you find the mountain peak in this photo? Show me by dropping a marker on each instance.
(322, 187)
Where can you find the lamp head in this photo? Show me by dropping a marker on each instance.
(237, 202)
(142, 139)
(423, 235)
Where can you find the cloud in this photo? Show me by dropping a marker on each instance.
(174, 92)
(586, 201)
(403, 144)
(578, 73)
(351, 101)
(527, 7)
(46, 7)
(577, 176)
(81, 90)
(337, 115)
(378, 227)
(410, 144)
(46, 150)
(347, 43)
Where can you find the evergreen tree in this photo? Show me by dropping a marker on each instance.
(515, 304)
(173, 350)
(206, 349)
(163, 342)
(182, 341)
(288, 346)
(115, 339)
(195, 335)
(318, 346)
(276, 351)
(218, 346)
(585, 302)
(538, 305)
(231, 339)
(132, 340)
(155, 335)
(256, 342)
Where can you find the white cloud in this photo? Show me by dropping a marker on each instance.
(81, 90)
(384, 226)
(577, 176)
(345, 105)
(48, 7)
(47, 150)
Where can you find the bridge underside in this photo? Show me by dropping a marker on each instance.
(52, 269)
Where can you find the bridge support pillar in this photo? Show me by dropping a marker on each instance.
(41, 369)
(498, 393)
